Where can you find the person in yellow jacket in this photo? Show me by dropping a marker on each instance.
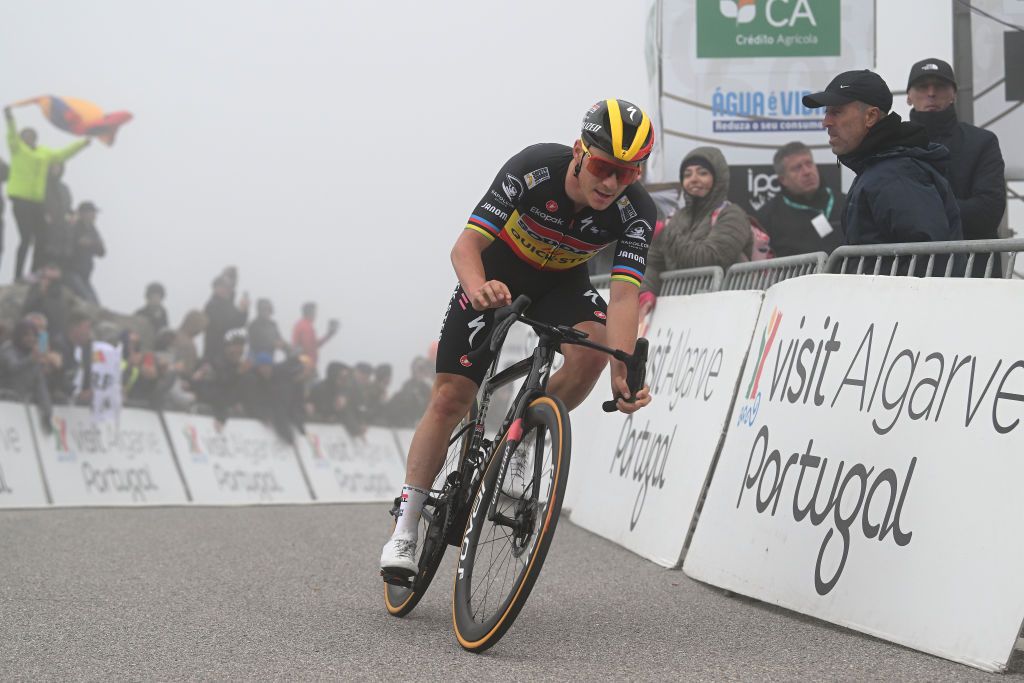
(26, 184)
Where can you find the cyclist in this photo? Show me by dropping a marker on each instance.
(550, 208)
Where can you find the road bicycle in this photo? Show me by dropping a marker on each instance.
(498, 500)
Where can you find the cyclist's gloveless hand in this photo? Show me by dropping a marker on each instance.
(492, 294)
(620, 388)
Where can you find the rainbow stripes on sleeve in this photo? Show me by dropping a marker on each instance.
(627, 274)
(483, 226)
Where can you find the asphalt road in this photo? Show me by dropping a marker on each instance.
(293, 593)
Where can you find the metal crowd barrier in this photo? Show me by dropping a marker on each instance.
(692, 281)
(869, 259)
(764, 274)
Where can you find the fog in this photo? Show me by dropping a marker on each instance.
(331, 150)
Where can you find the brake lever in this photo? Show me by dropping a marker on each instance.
(636, 375)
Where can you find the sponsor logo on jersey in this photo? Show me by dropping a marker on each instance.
(592, 295)
(512, 186)
(638, 230)
(476, 324)
(635, 257)
(465, 362)
(496, 211)
(500, 198)
(587, 224)
(592, 127)
(552, 205)
(535, 178)
(601, 315)
(626, 210)
(546, 217)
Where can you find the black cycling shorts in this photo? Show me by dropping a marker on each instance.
(559, 298)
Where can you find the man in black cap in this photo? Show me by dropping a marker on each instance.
(976, 164)
(900, 193)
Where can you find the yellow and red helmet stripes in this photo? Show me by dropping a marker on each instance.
(619, 128)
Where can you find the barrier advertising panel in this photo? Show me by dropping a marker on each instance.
(21, 484)
(343, 469)
(115, 462)
(643, 473)
(871, 473)
(245, 462)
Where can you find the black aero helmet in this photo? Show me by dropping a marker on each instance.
(619, 128)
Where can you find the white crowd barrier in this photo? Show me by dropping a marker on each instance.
(343, 469)
(244, 462)
(643, 474)
(122, 462)
(871, 473)
(21, 482)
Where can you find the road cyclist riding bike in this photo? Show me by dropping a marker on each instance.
(550, 208)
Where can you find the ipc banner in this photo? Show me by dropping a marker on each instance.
(122, 462)
(245, 462)
(642, 474)
(872, 470)
(343, 469)
(21, 484)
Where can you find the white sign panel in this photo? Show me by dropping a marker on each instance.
(20, 482)
(645, 472)
(127, 462)
(343, 469)
(872, 470)
(732, 74)
(243, 463)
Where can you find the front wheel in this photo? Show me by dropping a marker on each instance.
(513, 519)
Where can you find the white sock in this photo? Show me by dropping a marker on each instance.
(409, 511)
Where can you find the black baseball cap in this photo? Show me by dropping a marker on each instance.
(850, 86)
(935, 68)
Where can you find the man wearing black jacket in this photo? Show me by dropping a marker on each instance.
(976, 164)
(900, 193)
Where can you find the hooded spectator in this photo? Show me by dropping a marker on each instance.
(222, 315)
(264, 335)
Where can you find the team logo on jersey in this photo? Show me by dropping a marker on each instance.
(535, 178)
(601, 315)
(626, 210)
(592, 295)
(476, 324)
(512, 186)
(638, 230)
(465, 362)
(552, 205)
(587, 224)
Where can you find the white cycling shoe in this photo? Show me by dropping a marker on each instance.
(520, 471)
(399, 556)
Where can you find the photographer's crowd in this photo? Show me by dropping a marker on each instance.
(61, 348)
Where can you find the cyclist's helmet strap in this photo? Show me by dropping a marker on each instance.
(619, 128)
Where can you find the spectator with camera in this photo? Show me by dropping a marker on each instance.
(304, 338)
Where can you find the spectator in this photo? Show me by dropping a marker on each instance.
(222, 315)
(46, 296)
(264, 336)
(708, 231)
(55, 244)
(900, 194)
(805, 216)
(220, 382)
(407, 405)
(4, 172)
(377, 394)
(87, 245)
(174, 392)
(273, 394)
(52, 360)
(77, 359)
(26, 185)
(326, 399)
(304, 334)
(183, 349)
(975, 171)
(154, 310)
(22, 369)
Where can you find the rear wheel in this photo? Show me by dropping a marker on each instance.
(502, 556)
(401, 599)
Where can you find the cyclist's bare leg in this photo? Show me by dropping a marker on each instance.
(450, 400)
(582, 368)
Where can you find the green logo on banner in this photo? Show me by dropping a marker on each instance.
(767, 28)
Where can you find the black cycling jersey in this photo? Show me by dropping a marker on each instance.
(539, 245)
(528, 212)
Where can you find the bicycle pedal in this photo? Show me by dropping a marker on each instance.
(397, 579)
